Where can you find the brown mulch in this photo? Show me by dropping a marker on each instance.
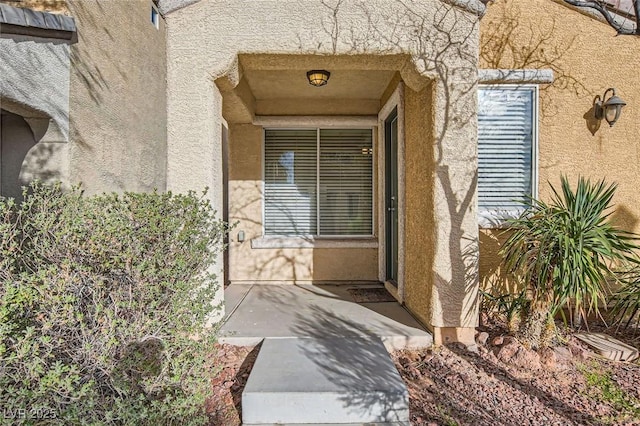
(454, 386)
(370, 295)
(234, 364)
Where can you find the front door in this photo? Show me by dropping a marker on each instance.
(391, 196)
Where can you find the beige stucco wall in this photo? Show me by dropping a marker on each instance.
(204, 40)
(53, 6)
(96, 104)
(419, 208)
(592, 60)
(35, 87)
(117, 97)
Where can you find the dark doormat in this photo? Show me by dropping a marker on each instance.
(370, 295)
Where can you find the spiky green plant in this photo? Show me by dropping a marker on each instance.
(626, 300)
(566, 251)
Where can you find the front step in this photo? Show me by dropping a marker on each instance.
(333, 380)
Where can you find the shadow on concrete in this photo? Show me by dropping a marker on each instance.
(294, 311)
(358, 364)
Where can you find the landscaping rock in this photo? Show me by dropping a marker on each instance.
(577, 350)
(526, 359)
(507, 350)
(512, 352)
(548, 358)
(482, 338)
(497, 341)
(562, 353)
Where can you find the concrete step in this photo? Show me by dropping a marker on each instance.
(334, 380)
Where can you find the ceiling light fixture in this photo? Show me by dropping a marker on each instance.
(318, 78)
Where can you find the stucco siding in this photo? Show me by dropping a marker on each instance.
(440, 42)
(589, 58)
(420, 218)
(118, 97)
(35, 79)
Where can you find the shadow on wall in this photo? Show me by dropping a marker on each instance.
(443, 49)
(509, 44)
(592, 123)
(494, 279)
(245, 208)
(22, 159)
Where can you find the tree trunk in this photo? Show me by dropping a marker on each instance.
(537, 327)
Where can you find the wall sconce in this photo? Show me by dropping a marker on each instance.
(609, 109)
(318, 78)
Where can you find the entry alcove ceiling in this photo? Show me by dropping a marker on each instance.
(277, 85)
(343, 84)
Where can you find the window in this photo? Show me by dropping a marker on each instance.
(507, 146)
(155, 16)
(318, 182)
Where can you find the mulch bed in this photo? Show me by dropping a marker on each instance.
(234, 365)
(370, 295)
(453, 386)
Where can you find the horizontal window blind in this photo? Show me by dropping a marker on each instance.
(319, 182)
(346, 196)
(290, 181)
(505, 147)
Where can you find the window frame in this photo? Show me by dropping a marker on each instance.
(496, 218)
(318, 128)
(155, 15)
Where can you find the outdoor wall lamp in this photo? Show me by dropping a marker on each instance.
(609, 109)
(318, 78)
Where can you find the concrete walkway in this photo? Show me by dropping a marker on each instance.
(255, 312)
(324, 358)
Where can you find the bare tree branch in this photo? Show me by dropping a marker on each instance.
(601, 7)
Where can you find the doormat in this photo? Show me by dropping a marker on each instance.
(370, 295)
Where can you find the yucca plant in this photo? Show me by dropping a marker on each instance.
(626, 300)
(566, 252)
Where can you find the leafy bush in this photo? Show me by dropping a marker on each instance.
(565, 252)
(103, 306)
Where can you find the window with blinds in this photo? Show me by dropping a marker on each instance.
(506, 148)
(318, 182)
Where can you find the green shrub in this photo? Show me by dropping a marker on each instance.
(626, 299)
(565, 252)
(103, 306)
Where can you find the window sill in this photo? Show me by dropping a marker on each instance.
(497, 219)
(311, 242)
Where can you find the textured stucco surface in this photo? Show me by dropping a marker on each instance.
(53, 6)
(27, 153)
(118, 97)
(35, 78)
(204, 40)
(419, 209)
(594, 60)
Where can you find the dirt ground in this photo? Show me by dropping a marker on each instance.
(499, 384)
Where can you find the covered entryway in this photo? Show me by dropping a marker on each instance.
(291, 146)
(317, 180)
